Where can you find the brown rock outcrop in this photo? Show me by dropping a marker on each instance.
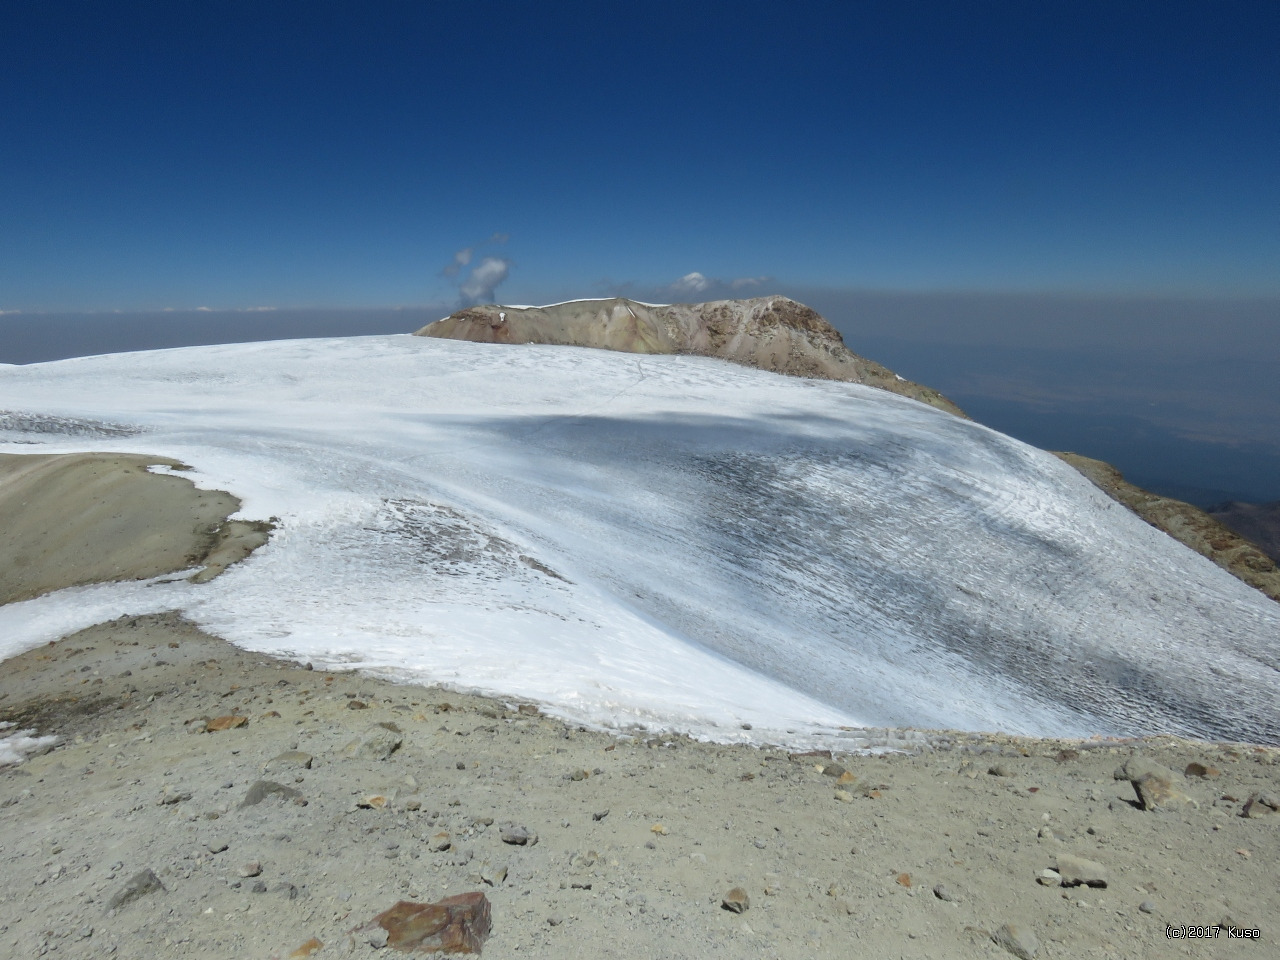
(772, 333)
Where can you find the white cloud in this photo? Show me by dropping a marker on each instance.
(744, 282)
(690, 283)
(484, 280)
(460, 260)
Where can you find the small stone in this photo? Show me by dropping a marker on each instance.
(263, 789)
(1018, 940)
(943, 892)
(376, 800)
(440, 842)
(216, 846)
(357, 705)
(846, 777)
(1047, 833)
(378, 744)
(1146, 906)
(844, 796)
(289, 760)
(259, 886)
(659, 829)
(517, 835)
(1000, 770)
(307, 949)
(555, 920)
(1260, 805)
(599, 815)
(494, 876)
(834, 770)
(1077, 870)
(1049, 878)
(736, 901)
(903, 880)
(140, 884)
(458, 924)
(173, 796)
(1203, 771)
(251, 869)
(226, 723)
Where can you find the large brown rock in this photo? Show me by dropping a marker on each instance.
(457, 924)
(1153, 784)
(772, 333)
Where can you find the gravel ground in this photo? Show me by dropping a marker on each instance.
(638, 841)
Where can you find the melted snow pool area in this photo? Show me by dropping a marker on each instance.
(669, 542)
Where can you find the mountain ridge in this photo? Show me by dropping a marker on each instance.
(772, 333)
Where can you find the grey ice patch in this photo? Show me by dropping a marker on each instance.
(18, 421)
(451, 544)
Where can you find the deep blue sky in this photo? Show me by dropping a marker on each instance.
(340, 154)
(1066, 215)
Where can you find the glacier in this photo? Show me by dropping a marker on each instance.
(659, 542)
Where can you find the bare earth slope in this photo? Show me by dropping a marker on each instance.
(73, 519)
(1198, 530)
(772, 333)
(638, 841)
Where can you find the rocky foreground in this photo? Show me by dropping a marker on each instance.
(209, 802)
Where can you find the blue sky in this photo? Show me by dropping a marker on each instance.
(341, 154)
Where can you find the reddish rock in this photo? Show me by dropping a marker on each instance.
(458, 924)
(1202, 771)
(225, 723)
(308, 948)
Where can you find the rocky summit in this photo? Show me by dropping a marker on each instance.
(772, 333)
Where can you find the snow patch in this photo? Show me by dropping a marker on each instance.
(17, 745)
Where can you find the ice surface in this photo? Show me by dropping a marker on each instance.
(16, 745)
(661, 541)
